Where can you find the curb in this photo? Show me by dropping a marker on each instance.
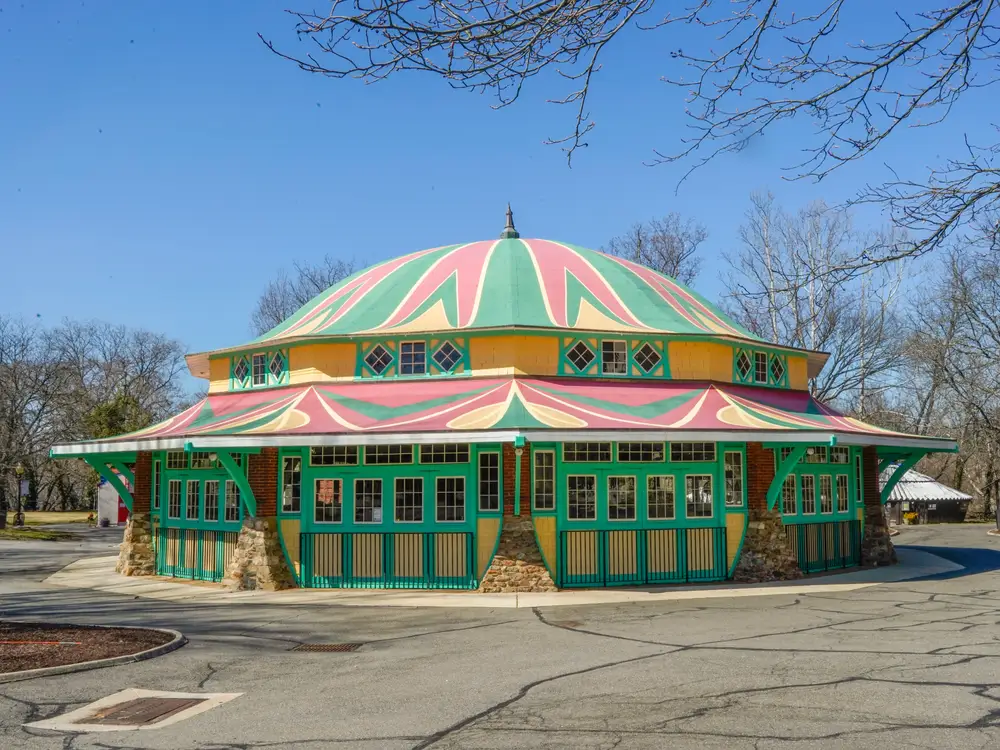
(993, 532)
(112, 661)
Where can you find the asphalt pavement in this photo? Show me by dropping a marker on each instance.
(913, 664)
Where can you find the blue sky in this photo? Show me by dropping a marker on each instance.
(157, 167)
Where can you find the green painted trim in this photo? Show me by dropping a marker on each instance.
(751, 351)
(236, 474)
(517, 482)
(898, 474)
(781, 474)
(105, 471)
(125, 472)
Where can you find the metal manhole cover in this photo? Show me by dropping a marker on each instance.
(142, 711)
(339, 647)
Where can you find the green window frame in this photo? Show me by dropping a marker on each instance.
(260, 369)
(328, 507)
(543, 466)
(155, 504)
(174, 499)
(489, 482)
(291, 485)
(699, 495)
(623, 498)
(410, 489)
(614, 358)
(193, 500)
(760, 367)
(581, 497)
(661, 497)
(211, 490)
(449, 499)
(735, 488)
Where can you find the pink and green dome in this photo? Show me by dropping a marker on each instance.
(506, 283)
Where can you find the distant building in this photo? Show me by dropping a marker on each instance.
(932, 501)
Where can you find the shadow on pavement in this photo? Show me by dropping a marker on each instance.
(972, 559)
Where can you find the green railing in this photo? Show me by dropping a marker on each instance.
(825, 546)
(433, 560)
(198, 554)
(608, 557)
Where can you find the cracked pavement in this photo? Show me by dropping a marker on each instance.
(915, 664)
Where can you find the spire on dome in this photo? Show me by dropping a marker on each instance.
(509, 233)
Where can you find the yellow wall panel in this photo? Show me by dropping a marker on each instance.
(321, 362)
(487, 530)
(514, 355)
(545, 532)
(218, 375)
(735, 528)
(798, 373)
(289, 528)
(700, 360)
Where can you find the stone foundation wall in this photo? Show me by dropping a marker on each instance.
(517, 565)
(259, 561)
(766, 554)
(135, 556)
(876, 544)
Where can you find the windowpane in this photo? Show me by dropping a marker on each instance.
(156, 485)
(808, 493)
(176, 460)
(447, 356)
(174, 498)
(545, 480)
(580, 355)
(760, 367)
(489, 482)
(777, 369)
(329, 501)
(660, 497)
(291, 484)
(444, 453)
(789, 499)
(581, 497)
(241, 370)
(212, 500)
(449, 498)
(817, 456)
(698, 490)
(412, 358)
(409, 498)
(647, 358)
(733, 464)
(644, 452)
(843, 494)
(840, 455)
(621, 498)
(826, 494)
(202, 460)
(586, 452)
(378, 359)
(743, 364)
(857, 479)
(277, 365)
(192, 499)
(614, 358)
(259, 369)
(692, 451)
(389, 454)
(232, 501)
(334, 455)
(367, 501)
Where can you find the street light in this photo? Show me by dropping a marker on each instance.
(18, 513)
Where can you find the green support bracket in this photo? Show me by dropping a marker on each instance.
(237, 475)
(119, 465)
(101, 467)
(784, 469)
(898, 474)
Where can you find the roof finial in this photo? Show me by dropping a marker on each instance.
(509, 233)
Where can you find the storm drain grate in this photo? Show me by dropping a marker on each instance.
(142, 711)
(338, 647)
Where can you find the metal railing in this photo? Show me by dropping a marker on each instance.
(611, 557)
(198, 554)
(432, 560)
(828, 545)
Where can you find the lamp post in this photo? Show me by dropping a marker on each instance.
(18, 512)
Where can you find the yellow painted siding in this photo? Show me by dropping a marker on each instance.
(514, 355)
(545, 532)
(487, 530)
(321, 362)
(581, 555)
(290, 536)
(218, 375)
(661, 551)
(798, 373)
(700, 549)
(450, 555)
(735, 528)
(700, 360)
(622, 553)
(408, 556)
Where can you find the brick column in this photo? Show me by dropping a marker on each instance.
(135, 556)
(259, 561)
(876, 544)
(518, 564)
(766, 555)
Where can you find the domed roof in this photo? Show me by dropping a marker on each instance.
(506, 283)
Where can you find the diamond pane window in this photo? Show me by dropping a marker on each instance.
(743, 364)
(647, 358)
(777, 369)
(277, 365)
(378, 359)
(614, 358)
(581, 356)
(447, 356)
(241, 370)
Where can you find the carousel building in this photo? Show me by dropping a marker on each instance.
(507, 415)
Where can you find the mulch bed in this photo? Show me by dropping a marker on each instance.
(56, 645)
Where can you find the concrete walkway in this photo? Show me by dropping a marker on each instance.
(99, 574)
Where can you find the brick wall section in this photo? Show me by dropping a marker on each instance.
(760, 474)
(262, 473)
(869, 476)
(141, 493)
(509, 470)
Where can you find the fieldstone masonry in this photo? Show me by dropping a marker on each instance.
(135, 556)
(766, 554)
(517, 565)
(876, 544)
(259, 561)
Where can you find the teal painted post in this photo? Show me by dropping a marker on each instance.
(518, 450)
(784, 469)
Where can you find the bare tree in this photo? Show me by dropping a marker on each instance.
(781, 289)
(668, 245)
(755, 63)
(284, 295)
